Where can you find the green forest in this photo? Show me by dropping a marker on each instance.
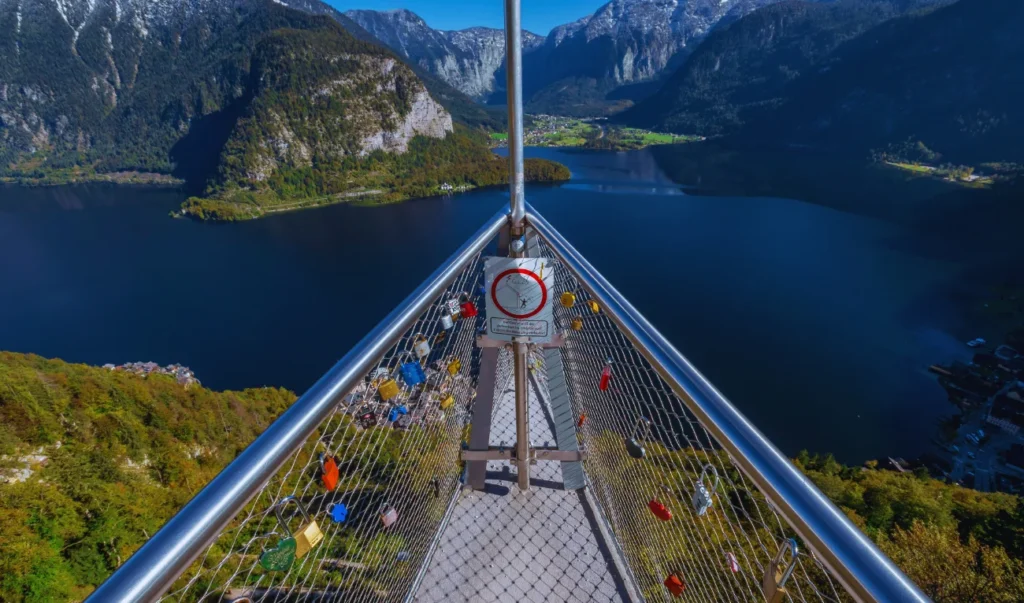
(460, 159)
(105, 457)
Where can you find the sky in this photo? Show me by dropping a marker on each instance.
(539, 16)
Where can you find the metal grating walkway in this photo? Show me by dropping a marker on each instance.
(505, 545)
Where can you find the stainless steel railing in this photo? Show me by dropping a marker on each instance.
(865, 572)
(153, 568)
(850, 557)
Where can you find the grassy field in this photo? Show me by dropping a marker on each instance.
(553, 131)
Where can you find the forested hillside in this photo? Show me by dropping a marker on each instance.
(95, 461)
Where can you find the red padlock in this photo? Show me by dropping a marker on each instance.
(467, 309)
(329, 472)
(583, 419)
(660, 510)
(606, 377)
(675, 584)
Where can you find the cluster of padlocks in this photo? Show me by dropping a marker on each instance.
(416, 377)
(779, 569)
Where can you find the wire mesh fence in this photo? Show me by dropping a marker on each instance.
(356, 512)
(353, 514)
(688, 521)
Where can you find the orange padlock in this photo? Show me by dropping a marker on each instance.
(660, 510)
(329, 472)
(675, 584)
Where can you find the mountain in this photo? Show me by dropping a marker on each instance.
(598, 63)
(250, 101)
(743, 69)
(466, 59)
(950, 78)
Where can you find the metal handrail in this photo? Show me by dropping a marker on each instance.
(147, 574)
(853, 559)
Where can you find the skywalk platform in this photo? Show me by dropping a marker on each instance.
(502, 544)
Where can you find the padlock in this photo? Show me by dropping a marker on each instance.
(675, 584)
(568, 299)
(338, 512)
(467, 309)
(577, 324)
(446, 321)
(393, 415)
(732, 562)
(403, 422)
(388, 390)
(308, 535)
(368, 420)
(583, 419)
(420, 346)
(633, 446)
(388, 515)
(404, 556)
(439, 338)
(447, 402)
(412, 373)
(280, 557)
(659, 509)
(454, 366)
(452, 305)
(606, 377)
(775, 577)
(328, 472)
(703, 496)
(593, 306)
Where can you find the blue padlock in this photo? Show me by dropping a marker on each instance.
(339, 512)
(393, 414)
(402, 410)
(412, 373)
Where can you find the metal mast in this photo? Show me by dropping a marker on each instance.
(516, 185)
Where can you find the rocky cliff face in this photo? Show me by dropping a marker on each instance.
(466, 59)
(123, 84)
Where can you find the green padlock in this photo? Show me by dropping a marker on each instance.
(279, 558)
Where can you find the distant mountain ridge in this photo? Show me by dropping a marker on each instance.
(743, 69)
(466, 59)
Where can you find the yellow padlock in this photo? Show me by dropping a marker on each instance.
(593, 306)
(308, 535)
(448, 402)
(775, 576)
(388, 390)
(577, 324)
(454, 366)
(568, 299)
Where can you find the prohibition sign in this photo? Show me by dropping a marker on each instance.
(531, 275)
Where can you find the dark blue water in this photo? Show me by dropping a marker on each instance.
(817, 324)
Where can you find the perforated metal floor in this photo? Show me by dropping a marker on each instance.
(502, 544)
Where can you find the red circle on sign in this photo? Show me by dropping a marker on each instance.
(543, 291)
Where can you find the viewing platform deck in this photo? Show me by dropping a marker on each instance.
(502, 544)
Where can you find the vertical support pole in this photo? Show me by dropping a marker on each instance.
(521, 376)
(517, 202)
(514, 86)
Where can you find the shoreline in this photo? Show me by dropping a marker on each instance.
(116, 178)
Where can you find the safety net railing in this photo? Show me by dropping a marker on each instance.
(342, 496)
(680, 492)
(683, 514)
(345, 496)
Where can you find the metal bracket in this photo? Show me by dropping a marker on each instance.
(536, 454)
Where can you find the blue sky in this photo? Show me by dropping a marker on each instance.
(539, 16)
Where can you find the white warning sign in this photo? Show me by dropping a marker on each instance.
(519, 293)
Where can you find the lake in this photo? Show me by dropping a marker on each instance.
(817, 323)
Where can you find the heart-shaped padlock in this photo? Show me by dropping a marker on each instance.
(280, 557)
